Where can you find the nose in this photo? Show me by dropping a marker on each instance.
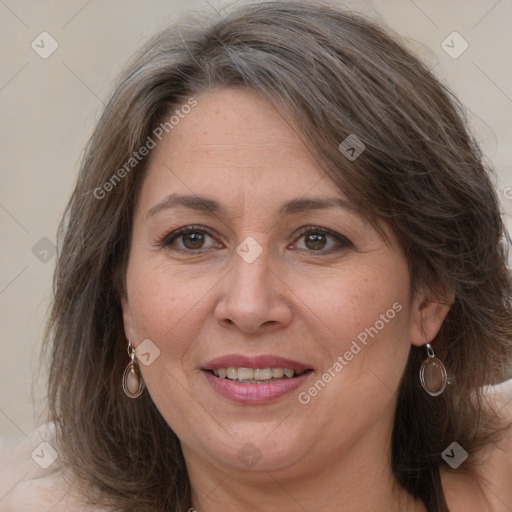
(253, 298)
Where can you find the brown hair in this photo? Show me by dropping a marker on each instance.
(334, 74)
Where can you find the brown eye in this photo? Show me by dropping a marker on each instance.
(193, 240)
(315, 241)
(323, 241)
(189, 238)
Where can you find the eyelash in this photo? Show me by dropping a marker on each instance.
(341, 240)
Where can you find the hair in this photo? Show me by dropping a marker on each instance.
(333, 73)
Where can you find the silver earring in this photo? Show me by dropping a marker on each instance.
(133, 384)
(433, 374)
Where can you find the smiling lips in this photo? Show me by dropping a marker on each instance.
(233, 377)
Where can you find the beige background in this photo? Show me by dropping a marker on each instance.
(49, 107)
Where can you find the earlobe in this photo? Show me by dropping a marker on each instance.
(427, 317)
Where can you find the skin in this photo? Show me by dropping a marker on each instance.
(294, 301)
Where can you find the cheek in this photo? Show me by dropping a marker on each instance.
(368, 344)
(365, 300)
(168, 308)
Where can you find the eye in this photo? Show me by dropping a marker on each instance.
(194, 238)
(188, 238)
(318, 239)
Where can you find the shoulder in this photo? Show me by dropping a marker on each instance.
(32, 479)
(500, 397)
(491, 488)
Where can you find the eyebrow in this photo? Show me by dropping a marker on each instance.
(205, 204)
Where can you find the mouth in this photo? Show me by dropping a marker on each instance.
(246, 375)
(252, 380)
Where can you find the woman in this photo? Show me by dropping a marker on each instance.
(283, 220)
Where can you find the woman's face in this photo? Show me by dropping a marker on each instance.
(276, 271)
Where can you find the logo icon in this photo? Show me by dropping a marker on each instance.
(249, 454)
(147, 352)
(454, 45)
(44, 250)
(455, 455)
(249, 250)
(352, 147)
(44, 455)
(44, 45)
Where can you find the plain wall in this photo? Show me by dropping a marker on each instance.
(49, 108)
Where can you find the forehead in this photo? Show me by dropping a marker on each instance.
(235, 146)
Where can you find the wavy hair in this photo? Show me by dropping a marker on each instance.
(332, 73)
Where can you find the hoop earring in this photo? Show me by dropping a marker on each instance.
(133, 384)
(433, 374)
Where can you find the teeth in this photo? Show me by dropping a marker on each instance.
(245, 374)
(277, 373)
(253, 375)
(261, 374)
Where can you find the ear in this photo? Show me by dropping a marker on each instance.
(129, 329)
(428, 312)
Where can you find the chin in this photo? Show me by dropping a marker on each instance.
(258, 447)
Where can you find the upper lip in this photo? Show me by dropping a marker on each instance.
(261, 361)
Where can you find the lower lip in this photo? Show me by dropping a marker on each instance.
(255, 393)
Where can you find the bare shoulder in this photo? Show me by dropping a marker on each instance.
(500, 397)
(32, 479)
(493, 490)
(503, 396)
